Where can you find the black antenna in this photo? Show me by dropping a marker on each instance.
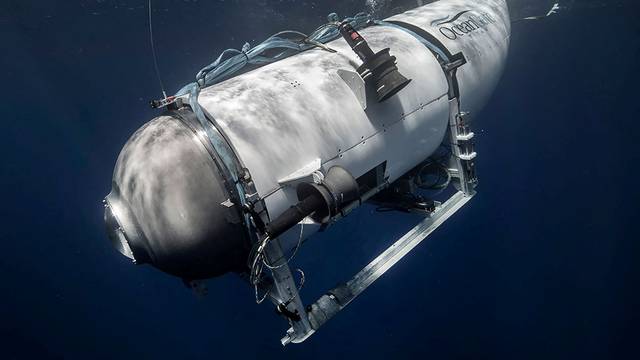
(153, 52)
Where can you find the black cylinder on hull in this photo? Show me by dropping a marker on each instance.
(320, 201)
(379, 68)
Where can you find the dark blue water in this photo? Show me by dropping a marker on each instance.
(541, 264)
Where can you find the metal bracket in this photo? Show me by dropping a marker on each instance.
(308, 173)
(460, 134)
(463, 153)
(356, 84)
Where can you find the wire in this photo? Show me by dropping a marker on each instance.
(259, 261)
(260, 300)
(302, 279)
(300, 286)
(437, 184)
(256, 269)
(153, 52)
(295, 251)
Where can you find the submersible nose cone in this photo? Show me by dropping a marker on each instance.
(170, 207)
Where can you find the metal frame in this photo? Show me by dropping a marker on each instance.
(336, 299)
(305, 321)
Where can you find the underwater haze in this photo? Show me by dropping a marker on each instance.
(541, 264)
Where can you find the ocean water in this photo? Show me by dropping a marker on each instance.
(542, 264)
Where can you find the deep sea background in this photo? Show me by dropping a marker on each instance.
(542, 264)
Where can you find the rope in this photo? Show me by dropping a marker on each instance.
(153, 51)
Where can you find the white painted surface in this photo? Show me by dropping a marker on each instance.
(285, 115)
(485, 49)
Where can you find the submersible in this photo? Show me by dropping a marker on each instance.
(232, 180)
